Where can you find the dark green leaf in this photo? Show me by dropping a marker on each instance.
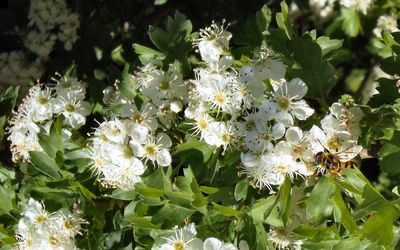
(320, 204)
(45, 164)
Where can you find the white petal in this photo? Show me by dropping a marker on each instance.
(228, 246)
(294, 135)
(84, 108)
(163, 157)
(212, 244)
(246, 74)
(330, 123)
(271, 69)
(225, 62)
(296, 88)
(139, 132)
(278, 130)
(136, 147)
(269, 107)
(301, 110)
(196, 244)
(337, 109)
(256, 88)
(284, 117)
(164, 140)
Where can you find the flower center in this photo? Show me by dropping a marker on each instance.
(98, 162)
(65, 85)
(179, 245)
(29, 241)
(115, 131)
(41, 218)
(128, 152)
(333, 143)
(266, 137)
(226, 138)
(250, 124)
(284, 103)
(150, 150)
(68, 224)
(54, 241)
(137, 118)
(164, 85)
(43, 100)
(202, 123)
(69, 108)
(282, 168)
(220, 98)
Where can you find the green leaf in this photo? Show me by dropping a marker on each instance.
(263, 18)
(259, 207)
(284, 200)
(147, 54)
(390, 163)
(143, 222)
(316, 72)
(128, 85)
(344, 214)
(123, 194)
(319, 204)
(52, 143)
(7, 199)
(388, 93)
(282, 19)
(85, 191)
(116, 55)
(241, 190)
(327, 45)
(351, 21)
(225, 210)
(44, 164)
(7, 103)
(199, 200)
(170, 215)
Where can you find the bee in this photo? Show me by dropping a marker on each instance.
(335, 162)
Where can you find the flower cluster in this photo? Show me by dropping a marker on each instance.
(50, 20)
(39, 229)
(49, 16)
(185, 238)
(15, 68)
(119, 144)
(252, 109)
(37, 111)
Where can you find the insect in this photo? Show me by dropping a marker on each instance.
(335, 162)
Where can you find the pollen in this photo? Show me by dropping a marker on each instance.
(150, 150)
(284, 103)
(164, 85)
(179, 245)
(69, 108)
(220, 98)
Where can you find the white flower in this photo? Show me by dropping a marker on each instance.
(182, 239)
(289, 104)
(322, 8)
(297, 144)
(74, 110)
(335, 141)
(40, 104)
(213, 42)
(343, 118)
(359, 5)
(70, 88)
(154, 149)
(143, 119)
(281, 238)
(212, 243)
(218, 134)
(165, 86)
(111, 96)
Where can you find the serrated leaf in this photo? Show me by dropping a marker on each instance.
(225, 210)
(147, 54)
(143, 222)
(128, 85)
(263, 18)
(351, 21)
(316, 72)
(345, 217)
(241, 190)
(327, 45)
(284, 200)
(44, 164)
(7, 103)
(319, 204)
(170, 215)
